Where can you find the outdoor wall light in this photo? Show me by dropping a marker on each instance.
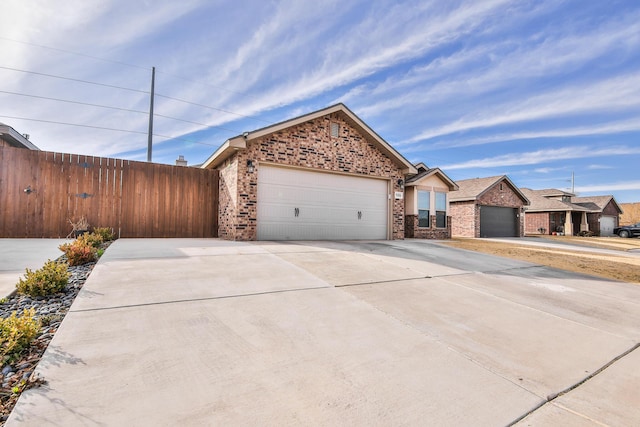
(401, 184)
(250, 166)
(28, 190)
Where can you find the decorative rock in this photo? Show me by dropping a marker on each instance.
(51, 311)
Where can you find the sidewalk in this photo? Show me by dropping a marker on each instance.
(542, 242)
(18, 254)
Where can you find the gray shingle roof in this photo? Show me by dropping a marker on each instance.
(472, 189)
(540, 203)
(433, 171)
(595, 203)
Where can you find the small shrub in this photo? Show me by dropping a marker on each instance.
(106, 233)
(50, 279)
(91, 239)
(79, 252)
(16, 333)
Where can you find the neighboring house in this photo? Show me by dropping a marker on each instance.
(604, 213)
(556, 211)
(9, 137)
(426, 204)
(488, 207)
(322, 176)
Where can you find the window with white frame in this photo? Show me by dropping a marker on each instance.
(441, 210)
(424, 205)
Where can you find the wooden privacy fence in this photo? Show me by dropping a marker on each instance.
(41, 191)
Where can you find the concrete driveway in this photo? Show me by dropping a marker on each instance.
(16, 255)
(210, 332)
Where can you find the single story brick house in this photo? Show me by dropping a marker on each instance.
(426, 204)
(321, 176)
(556, 211)
(488, 207)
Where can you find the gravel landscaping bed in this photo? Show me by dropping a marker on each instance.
(51, 310)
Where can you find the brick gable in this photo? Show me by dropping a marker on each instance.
(308, 145)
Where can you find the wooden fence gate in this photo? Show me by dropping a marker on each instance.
(41, 191)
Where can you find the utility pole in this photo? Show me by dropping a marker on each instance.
(573, 182)
(150, 137)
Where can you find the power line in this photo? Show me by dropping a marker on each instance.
(70, 52)
(71, 124)
(119, 109)
(197, 123)
(74, 102)
(75, 53)
(138, 91)
(213, 108)
(123, 109)
(75, 80)
(105, 128)
(207, 84)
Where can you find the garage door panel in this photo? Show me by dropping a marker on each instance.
(607, 224)
(497, 221)
(328, 206)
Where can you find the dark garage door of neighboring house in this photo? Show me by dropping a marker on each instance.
(498, 222)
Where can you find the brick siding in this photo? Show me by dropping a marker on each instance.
(534, 221)
(594, 223)
(228, 196)
(465, 219)
(307, 145)
(610, 210)
(413, 231)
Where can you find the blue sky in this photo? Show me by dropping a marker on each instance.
(536, 90)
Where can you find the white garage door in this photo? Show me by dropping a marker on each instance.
(296, 204)
(607, 224)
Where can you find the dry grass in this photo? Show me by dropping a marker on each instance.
(616, 243)
(626, 269)
(630, 213)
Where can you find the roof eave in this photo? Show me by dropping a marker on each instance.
(224, 152)
(435, 171)
(17, 138)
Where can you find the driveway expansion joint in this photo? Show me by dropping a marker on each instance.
(553, 396)
(382, 281)
(280, 291)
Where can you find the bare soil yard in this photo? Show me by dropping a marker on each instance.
(626, 269)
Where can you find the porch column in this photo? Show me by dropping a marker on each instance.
(568, 225)
(584, 225)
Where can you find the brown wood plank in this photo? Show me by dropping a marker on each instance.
(136, 199)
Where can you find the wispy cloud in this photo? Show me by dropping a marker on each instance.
(599, 167)
(544, 156)
(599, 97)
(613, 127)
(610, 187)
(547, 170)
